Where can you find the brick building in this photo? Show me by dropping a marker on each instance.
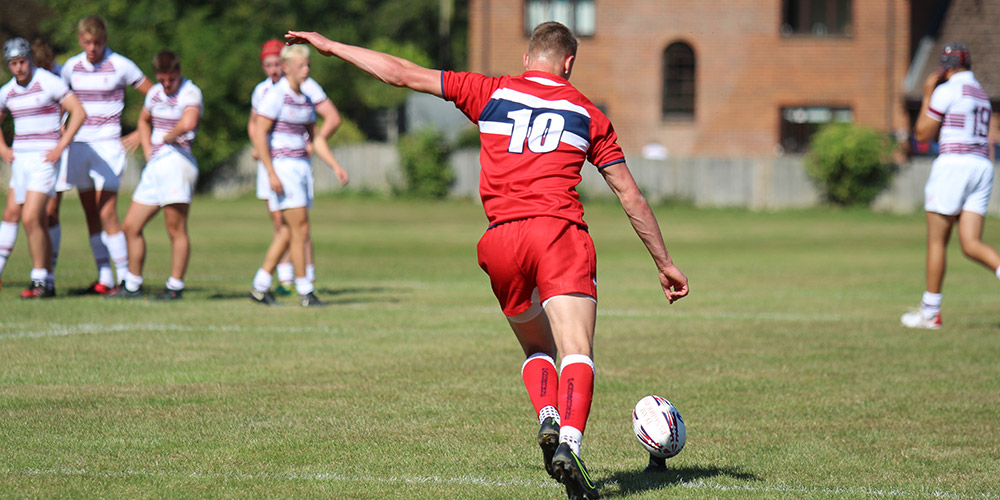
(730, 78)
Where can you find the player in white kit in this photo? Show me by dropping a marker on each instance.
(283, 125)
(97, 158)
(36, 100)
(167, 127)
(961, 178)
(270, 59)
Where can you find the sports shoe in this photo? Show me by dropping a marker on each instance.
(283, 289)
(265, 298)
(573, 474)
(38, 290)
(310, 300)
(96, 288)
(916, 319)
(168, 294)
(656, 464)
(548, 441)
(121, 292)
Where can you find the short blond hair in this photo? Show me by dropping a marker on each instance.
(290, 51)
(93, 26)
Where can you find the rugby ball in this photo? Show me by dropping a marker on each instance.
(658, 426)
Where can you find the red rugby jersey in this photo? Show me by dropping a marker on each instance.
(536, 132)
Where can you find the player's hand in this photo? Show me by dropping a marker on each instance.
(933, 80)
(342, 176)
(311, 38)
(7, 155)
(275, 183)
(54, 156)
(674, 283)
(131, 142)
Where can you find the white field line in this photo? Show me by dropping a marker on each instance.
(9, 330)
(866, 491)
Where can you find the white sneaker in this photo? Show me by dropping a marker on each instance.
(916, 319)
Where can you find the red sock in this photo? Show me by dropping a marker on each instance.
(576, 390)
(542, 381)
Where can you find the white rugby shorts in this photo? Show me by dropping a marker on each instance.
(62, 181)
(959, 183)
(96, 166)
(30, 172)
(296, 181)
(168, 179)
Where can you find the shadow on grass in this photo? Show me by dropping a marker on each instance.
(333, 296)
(632, 482)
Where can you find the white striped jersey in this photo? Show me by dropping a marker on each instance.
(166, 111)
(308, 87)
(964, 110)
(36, 110)
(291, 113)
(101, 89)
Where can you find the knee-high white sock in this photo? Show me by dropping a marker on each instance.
(118, 250)
(8, 236)
(101, 258)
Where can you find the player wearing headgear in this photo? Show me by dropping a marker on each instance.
(167, 127)
(536, 132)
(283, 126)
(961, 178)
(97, 158)
(270, 59)
(35, 99)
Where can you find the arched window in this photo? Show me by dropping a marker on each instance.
(678, 81)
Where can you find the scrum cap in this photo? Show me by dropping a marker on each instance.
(271, 48)
(955, 55)
(16, 47)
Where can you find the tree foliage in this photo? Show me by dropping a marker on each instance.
(219, 43)
(850, 164)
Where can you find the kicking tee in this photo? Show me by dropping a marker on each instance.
(101, 89)
(35, 109)
(167, 110)
(291, 113)
(536, 131)
(963, 108)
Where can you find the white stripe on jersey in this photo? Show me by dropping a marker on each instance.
(531, 101)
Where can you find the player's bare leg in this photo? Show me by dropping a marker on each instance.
(260, 292)
(90, 201)
(286, 274)
(136, 218)
(938, 233)
(297, 220)
(175, 217)
(970, 233)
(55, 232)
(39, 246)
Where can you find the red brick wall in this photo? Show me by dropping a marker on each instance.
(746, 70)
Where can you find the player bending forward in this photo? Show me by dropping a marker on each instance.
(35, 99)
(167, 126)
(961, 179)
(536, 132)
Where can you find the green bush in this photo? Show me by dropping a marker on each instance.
(424, 158)
(850, 164)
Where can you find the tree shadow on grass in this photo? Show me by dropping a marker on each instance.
(632, 482)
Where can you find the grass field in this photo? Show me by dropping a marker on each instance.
(787, 361)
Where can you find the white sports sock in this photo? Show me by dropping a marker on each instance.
(8, 236)
(286, 272)
(39, 274)
(548, 412)
(118, 250)
(303, 285)
(175, 284)
(571, 436)
(132, 282)
(311, 272)
(262, 281)
(930, 304)
(998, 273)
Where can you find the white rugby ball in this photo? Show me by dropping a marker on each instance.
(658, 426)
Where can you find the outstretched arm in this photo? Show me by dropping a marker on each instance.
(619, 178)
(388, 68)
